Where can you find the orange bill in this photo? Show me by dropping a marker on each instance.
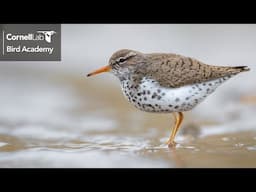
(100, 70)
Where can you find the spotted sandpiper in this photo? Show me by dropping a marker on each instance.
(166, 82)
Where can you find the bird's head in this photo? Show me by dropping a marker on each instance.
(121, 63)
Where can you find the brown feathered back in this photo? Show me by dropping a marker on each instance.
(172, 70)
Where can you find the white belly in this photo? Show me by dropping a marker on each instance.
(151, 97)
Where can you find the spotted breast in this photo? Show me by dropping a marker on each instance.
(149, 96)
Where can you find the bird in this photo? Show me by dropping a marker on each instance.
(166, 82)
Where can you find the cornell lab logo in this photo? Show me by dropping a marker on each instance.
(28, 42)
(43, 35)
(47, 35)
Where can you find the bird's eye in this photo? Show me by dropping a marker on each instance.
(121, 60)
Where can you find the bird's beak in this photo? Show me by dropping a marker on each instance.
(100, 70)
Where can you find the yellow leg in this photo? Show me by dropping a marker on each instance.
(178, 120)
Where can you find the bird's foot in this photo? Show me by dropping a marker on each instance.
(171, 144)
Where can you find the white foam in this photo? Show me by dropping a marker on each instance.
(3, 144)
(89, 159)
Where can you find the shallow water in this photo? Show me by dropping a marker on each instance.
(57, 119)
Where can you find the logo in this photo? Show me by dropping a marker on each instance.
(26, 42)
(47, 35)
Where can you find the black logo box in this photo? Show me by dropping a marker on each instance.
(30, 42)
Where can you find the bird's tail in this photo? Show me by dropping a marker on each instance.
(241, 68)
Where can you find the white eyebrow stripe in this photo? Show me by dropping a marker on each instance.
(130, 54)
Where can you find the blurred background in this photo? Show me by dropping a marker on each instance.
(52, 115)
